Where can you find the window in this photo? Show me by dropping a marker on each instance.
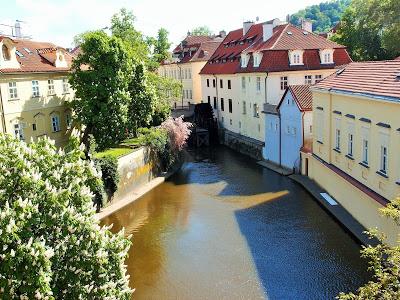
(337, 139)
(243, 83)
(68, 120)
(350, 145)
(213, 82)
(65, 85)
(221, 83)
(244, 60)
(34, 127)
(229, 84)
(50, 84)
(55, 123)
(318, 78)
(384, 159)
(308, 79)
(365, 151)
(244, 107)
(190, 94)
(222, 104)
(222, 120)
(35, 88)
(257, 59)
(190, 74)
(230, 105)
(296, 58)
(230, 121)
(18, 132)
(327, 58)
(310, 128)
(320, 126)
(256, 110)
(12, 89)
(288, 129)
(258, 84)
(284, 83)
(294, 131)
(215, 102)
(186, 74)
(208, 82)
(6, 53)
(209, 99)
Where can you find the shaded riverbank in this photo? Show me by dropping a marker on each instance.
(223, 227)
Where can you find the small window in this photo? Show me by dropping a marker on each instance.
(55, 123)
(365, 151)
(229, 84)
(318, 78)
(35, 88)
(33, 127)
(50, 84)
(230, 105)
(222, 104)
(214, 83)
(258, 84)
(243, 83)
(308, 79)
(65, 85)
(230, 121)
(27, 50)
(19, 53)
(337, 144)
(208, 82)
(350, 145)
(244, 107)
(384, 159)
(18, 132)
(221, 84)
(215, 102)
(256, 110)
(68, 120)
(190, 94)
(12, 89)
(209, 99)
(284, 83)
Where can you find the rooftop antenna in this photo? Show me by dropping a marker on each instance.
(257, 19)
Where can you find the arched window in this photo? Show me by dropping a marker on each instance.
(6, 53)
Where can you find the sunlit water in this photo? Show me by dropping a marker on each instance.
(225, 228)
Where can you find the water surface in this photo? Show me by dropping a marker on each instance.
(225, 228)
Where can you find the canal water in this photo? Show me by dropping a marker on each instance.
(224, 227)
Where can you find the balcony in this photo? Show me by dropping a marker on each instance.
(269, 109)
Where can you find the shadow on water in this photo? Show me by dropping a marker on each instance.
(224, 227)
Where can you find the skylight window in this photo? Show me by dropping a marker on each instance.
(289, 33)
(27, 50)
(305, 32)
(19, 53)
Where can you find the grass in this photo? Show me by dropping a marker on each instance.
(125, 147)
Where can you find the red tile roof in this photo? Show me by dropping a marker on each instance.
(301, 94)
(41, 58)
(193, 40)
(275, 51)
(397, 58)
(375, 78)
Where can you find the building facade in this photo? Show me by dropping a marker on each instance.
(289, 128)
(33, 90)
(356, 142)
(254, 65)
(188, 58)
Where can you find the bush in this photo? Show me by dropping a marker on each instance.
(178, 132)
(52, 246)
(108, 165)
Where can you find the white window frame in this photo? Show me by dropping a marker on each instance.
(243, 83)
(284, 83)
(256, 110)
(50, 87)
(244, 107)
(12, 90)
(65, 85)
(18, 131)
(68, 119)
(350, 144)
(384, 159)
(318, 78)
(296, 57)
(35, 88)
(307, 79)
(244, 60)
(258, 84)
(365, 151)
(326, 56)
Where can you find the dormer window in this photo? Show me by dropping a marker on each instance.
(6, 53)
(296, 57)
(326, 56)
(257, 59)
(244, 60)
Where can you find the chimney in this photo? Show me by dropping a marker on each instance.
(268, 30)
(246, 26)
(306, 25)
(222, 33)
(17, 32)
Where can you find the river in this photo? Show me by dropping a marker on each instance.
(224, 227)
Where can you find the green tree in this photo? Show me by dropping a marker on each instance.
(100, 77)
(201, 30)
(52, 246)
(324, 16)
(371, 29)
(384, 263)
(161, 46)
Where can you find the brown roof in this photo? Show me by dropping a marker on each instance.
(301, 94)
(193, 40)
(39, 58)
(374, 79)
(397, 58)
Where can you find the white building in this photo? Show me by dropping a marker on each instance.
(252, 68)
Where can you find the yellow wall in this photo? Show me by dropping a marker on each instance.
(360, 205)
(28, 110)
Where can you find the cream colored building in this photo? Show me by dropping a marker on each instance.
(356, 142)
(189, 57)
(33, 90)
(250, 70)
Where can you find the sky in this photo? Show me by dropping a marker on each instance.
(58, 21)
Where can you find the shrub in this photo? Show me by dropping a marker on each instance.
(52, 246)
(108, 165)
(178, 132)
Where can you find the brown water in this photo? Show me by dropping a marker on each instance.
(225, 228)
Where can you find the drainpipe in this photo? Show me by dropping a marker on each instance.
(216, 93)
(302, 129)
(3, 118)
(265, 88)
(280, 138)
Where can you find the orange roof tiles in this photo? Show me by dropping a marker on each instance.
(301, 94)
(40, 59)
(373, 79)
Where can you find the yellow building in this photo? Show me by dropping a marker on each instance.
(33, 89)
(189, 57)
(356, 142)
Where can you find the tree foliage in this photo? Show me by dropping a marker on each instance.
(52, 246)
(324, 16)
(100, 76)
(371, 29)
(201, 30)
(384, 263)
(161, 46)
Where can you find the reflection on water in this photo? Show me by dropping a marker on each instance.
(225, 228)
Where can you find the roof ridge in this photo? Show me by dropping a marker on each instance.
(279, 37)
